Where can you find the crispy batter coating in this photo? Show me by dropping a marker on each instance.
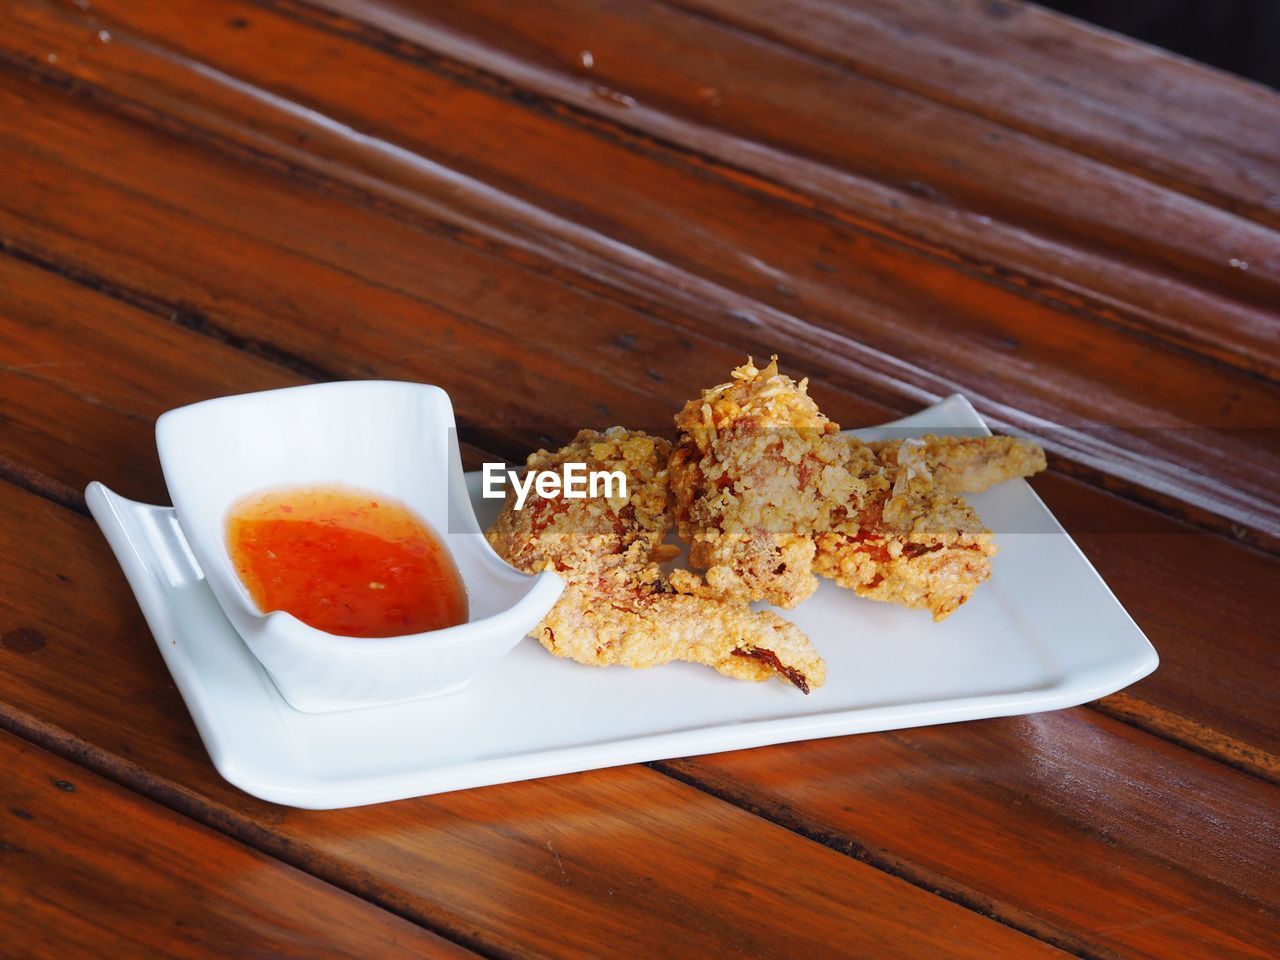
(618, 607)
(907, 540)
(768, 494)
(757, 469)
(591, 538)
(969, 464)
(637, 628)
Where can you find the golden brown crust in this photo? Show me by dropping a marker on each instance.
(618, 606)
(756, 471)
(914, 541)
(969, 464)
(594, 536)
(920, 548)
(647, 629)
(768, 494)
(906, 540)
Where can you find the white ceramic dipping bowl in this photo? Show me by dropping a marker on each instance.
(390, 438)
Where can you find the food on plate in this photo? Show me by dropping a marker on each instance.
(768, 493)
(618, 606)
(904, 538)
(756, 470)
(966, 464)
(345, 561)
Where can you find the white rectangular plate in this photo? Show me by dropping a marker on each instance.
(1043, 633)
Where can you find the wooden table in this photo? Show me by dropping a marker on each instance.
(575, 213)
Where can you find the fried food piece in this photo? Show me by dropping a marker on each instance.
(618, 607)
(594, 537)
(646, 628)
(913, 540)
(906, 540)
(756, 471)
(768, 494)
(969, 464)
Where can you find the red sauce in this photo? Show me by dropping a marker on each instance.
(346, 562)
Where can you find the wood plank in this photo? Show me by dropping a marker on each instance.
(88, 868)
(1013, 341)
(337, 292)
(1050, 781)
(1129, 104)
(1200, 600)
(626, 856)
(1160, 569)
(485, 870)
(1067, 227)
(77, 415)
(1064, 821)
(618, 862)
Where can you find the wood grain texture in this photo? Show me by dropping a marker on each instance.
(1122, 773)
(1129, 421)
(575, 214)
(1140, 711)
(1133, 106)
(337, 291)
(1160, 569)
(643, 857)
(88, 868)
(1059, 810)
(622, 862)
(1199, 599)
(1071, 230)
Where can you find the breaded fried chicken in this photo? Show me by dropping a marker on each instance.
(968, 464)
(906, 539)
(756, 471)
(618, 607)
(768, 494)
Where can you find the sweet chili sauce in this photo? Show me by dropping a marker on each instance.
(345, 561)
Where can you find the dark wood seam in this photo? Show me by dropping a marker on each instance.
(938, 885)
(197, 322)
(192, 804)
(1258, 772)
(1224, 201)
(709, 167)
(1238, 754)
(181, 314)
(33, 481)
(1182, 508)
